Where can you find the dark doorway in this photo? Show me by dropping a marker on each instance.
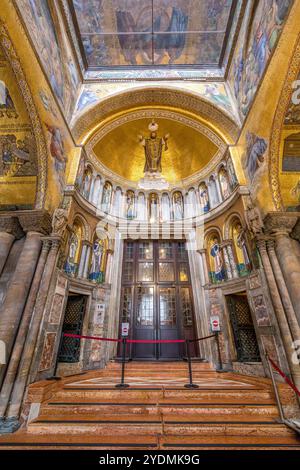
(243, 328)
(156, 298)
(73, 321)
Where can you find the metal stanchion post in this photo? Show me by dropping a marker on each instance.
(220, 368)
(190, 384)
(122, 384)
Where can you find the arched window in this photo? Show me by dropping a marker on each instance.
(238, 236)
(224, 183)
(177, 205)
(204, 198)
(106, 197)
(98, 261)
(74, 250)
(217, 270)
(130, 204)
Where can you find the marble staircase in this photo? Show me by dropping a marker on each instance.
(227, 411)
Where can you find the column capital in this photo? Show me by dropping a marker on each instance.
(202, 251)
(35, 221)
(11, 225)
(280, 223)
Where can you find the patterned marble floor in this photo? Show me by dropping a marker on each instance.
(134, 380)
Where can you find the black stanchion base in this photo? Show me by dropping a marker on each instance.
(54, 377)
(122, 385)
(191, 386)
(221, 370)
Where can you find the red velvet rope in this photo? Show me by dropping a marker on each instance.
(288, 381)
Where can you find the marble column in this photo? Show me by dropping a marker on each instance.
(202, 253)
(14, 303)
(284, 293)
(23, 329)
(279, 310)
(82, 260)
(280, 225)
(15, 404)
(10, 229)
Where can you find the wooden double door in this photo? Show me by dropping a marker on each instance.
(156, 298)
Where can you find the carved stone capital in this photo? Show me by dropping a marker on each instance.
(280, 222)
(11, 225)
(296, 231)
(36, 221)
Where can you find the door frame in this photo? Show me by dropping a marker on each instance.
(157, 285)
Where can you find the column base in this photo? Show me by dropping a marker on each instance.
(9, 425)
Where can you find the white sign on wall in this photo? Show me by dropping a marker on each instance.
(125, 329)
(99, 313)
(215, 323)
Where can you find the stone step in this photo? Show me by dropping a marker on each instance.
(184, 408)
(151, 427)
(167, 418)
(154, 366)
(193, 395)
(26, 441)
(177, 442)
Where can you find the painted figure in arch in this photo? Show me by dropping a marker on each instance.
(71, 265)
(106, 196)
(224, 183)
(154, 211)
(96, 273)
(239, 236)
(204, 199)
(231, 173)
(256, 148)
(178, 205)
(215, 252)
(7, 106)
(130, 209)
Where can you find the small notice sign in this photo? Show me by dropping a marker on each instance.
(215, 323)
(125, 329)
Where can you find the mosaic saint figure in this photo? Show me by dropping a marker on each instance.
(96, 274)
(215, 252)
(70, 265)
(178, 205)
(154, 213)
(204, 199)
(224, 183)
(130, 205)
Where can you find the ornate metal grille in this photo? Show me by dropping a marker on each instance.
(243, 329)
(70, 347)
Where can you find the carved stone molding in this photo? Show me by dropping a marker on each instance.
(41, 146)
(278, 123)
(154, 96)
(36, 221)
(282, 222)
(11, 225)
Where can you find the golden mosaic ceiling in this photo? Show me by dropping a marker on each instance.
(188, 149)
